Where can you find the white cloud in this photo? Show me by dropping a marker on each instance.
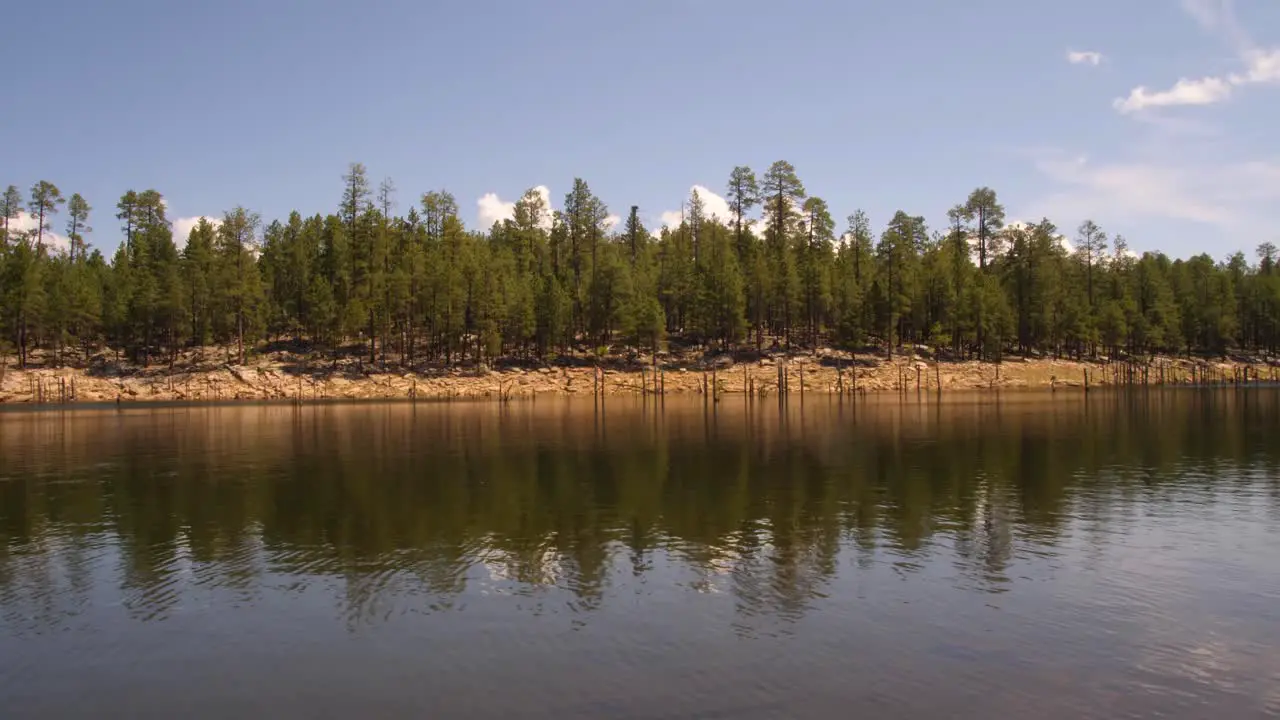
(491, 208)
(1231, 197)
(1262, 65)
(1205, 12)
(1204, 91)
(713, 205)
(26, 222)
(1135, 188)
(1084, 57)
(1189, 174)
(1218, 16)
(183, 225)
(611, 222)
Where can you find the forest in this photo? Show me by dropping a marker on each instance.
(420, 287)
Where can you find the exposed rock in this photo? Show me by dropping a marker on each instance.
(326, 380)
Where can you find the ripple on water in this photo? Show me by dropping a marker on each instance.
(1005, 562)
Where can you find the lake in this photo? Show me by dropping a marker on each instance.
(1015, 555)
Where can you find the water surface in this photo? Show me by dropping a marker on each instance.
(990, 556)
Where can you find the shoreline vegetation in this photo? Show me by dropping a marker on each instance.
(206, 376)
(756, 292)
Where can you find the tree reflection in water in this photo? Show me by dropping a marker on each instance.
(423, 508)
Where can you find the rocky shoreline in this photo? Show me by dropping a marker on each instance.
(275, 380)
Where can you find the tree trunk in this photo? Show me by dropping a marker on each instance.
(22, 340)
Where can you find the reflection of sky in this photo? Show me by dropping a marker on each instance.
(1143, 598)
(1190, 580)
(1170, 604)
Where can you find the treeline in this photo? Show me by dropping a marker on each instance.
(420, 286)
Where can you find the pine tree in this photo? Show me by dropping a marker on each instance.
(412, 267)
(584, 216)
(694, 219)
(84, 300)
(425, 286)
(149, 275)
(10, 209)
(609, 294)
(636, 234)
(897, 256)
(644, 321)
(239, 290)
(987, 215)
(937, 298)
(744, 194)
(530, 218)
(355, 194)
(46, 198)
(1091, 244)
(24, 293)
(198, 280)
(721, 303)
(127, 214)
(78, 224)
(1027, 271)
(324, 238)
(855, 268)
(815, 258)
(677, 278)
(782, 194)
(554, 311)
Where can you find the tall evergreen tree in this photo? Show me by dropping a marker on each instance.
(1091, 244)
(855, 273)
(744, 194)
(898, 259)
(721, 303)
(782, 193)
(10, 208)
(198, 280)
(23, 292)
(424, 287)
(816, 259)
(239, 289)
(584, 216)
(46, 198)
(78, 224)
(984, 210)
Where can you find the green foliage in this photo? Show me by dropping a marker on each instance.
(10, 207)
(782, 193)
(898, 276)
(46, 198)
(237, 291)
(720, 304)
(77, 224)
(986, 215)
(424, 287)
(744, 194)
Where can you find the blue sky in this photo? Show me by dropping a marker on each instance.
(881, 106)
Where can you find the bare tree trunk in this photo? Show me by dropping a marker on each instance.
(22, 340)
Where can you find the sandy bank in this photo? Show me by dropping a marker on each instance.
(270, 380)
